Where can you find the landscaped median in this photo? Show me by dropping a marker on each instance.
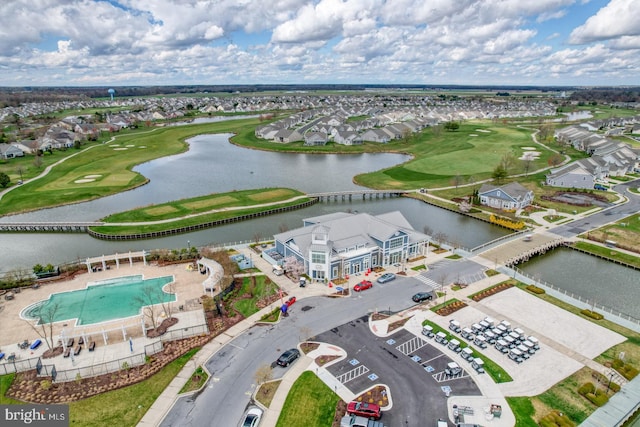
(199, 212)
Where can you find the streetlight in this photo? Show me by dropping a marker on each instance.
(609, 384)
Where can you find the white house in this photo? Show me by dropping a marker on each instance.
(572, 175)
(507, 197)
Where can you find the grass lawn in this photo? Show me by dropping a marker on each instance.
(109, 165)
(126, 406)
(471, 153)
(5, 383)
(262, 288)
(609, 253)
(310, 403)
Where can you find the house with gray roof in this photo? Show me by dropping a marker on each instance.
(571, 175)
(340, 244)
(10, 151)
(507, 197)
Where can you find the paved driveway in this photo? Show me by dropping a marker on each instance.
(412, 368)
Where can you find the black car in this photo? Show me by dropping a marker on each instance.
(422, 296)
(288, 357)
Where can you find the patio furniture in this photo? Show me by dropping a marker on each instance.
(1, 356)
(70, 342)
(35, 344)
(77, 350)
(67, 352)
(92, 345)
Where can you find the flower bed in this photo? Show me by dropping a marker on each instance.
(485, 293)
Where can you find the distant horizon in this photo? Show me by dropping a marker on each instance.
(356, 86)
(124, 43)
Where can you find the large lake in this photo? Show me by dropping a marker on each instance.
(214, 165)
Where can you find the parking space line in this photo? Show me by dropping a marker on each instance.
(411, 346)
(352, 374)
(433, 358)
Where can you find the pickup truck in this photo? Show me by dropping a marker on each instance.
(356, 421)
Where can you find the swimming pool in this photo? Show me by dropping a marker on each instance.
(102, 301)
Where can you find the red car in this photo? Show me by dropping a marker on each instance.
(362, 409)
(365, 284)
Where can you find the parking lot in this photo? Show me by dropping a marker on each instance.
(411, 366)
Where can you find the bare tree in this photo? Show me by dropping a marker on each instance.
(46, 315)
(263, 374)
(305, 333)
(229, 267)
(427, 230)
(457, 180)
(293, 266)
(257, 237)
(507, 161)
(526, 165)
(147, 298)
(440, 237)
(283, 227)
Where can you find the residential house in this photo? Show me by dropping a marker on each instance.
(287, 135)
(10, 151)
(341, 244)
(571, 175)
(376, 135)
(507, 197)
(315, 138)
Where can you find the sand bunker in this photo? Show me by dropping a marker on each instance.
(530, 155)
(83, 181)
(120, 149)
(528, 148)
(130, 145)
(92, 176)
(143, 146)
(472, 134)
(483, 130)
(114, 145)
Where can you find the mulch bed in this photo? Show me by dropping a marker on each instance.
(324, 359)
(308, 347)
(161, 329)
(396, 325)
(28, 387)
(451, 308)
(492, 291)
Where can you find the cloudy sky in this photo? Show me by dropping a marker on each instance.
(157, 42)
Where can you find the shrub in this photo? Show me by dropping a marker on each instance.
(617, 364)
(45, 384)
(592, 314)
(587, 388)
(535, 289)
(556, 419)
(599, 398)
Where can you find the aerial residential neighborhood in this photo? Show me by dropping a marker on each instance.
(319, 213)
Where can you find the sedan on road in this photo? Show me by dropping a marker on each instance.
(252, 417)
(422, 296)
(365, 284)
(386, 277)
(288, 357)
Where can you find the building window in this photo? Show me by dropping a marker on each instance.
(365, 263)
(396, 243)
(318, 258)
(335, 272)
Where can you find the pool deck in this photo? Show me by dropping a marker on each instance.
(188, 286)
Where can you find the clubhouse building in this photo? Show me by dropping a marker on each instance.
(341, 244)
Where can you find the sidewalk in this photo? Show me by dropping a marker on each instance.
(168, 397)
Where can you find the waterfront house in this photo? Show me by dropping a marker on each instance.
(508, 197)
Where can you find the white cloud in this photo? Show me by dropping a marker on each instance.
(377, 41)
(616, 19)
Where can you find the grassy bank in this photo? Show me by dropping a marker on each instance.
(310, 403)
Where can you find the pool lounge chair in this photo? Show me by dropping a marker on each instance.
(77, 350)
(92, 345)
(1, 356)
(70, 342)
(67, 352)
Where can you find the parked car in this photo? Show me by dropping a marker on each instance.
(386, 277)
(252, 417)
(288, 357)
(363, 409)
(365, 284)
(600, 187)
(422, 296)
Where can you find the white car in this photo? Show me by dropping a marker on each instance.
(252, 417)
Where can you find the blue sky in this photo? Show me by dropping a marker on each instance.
(165, 42)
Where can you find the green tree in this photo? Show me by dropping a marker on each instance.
(4, 180)
(499, 173)
(452, 126)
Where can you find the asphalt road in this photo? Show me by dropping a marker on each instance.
(606, 216)
(228, 392)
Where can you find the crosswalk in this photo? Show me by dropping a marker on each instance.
(427, 281)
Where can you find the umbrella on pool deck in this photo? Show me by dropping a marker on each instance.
(131, 344)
